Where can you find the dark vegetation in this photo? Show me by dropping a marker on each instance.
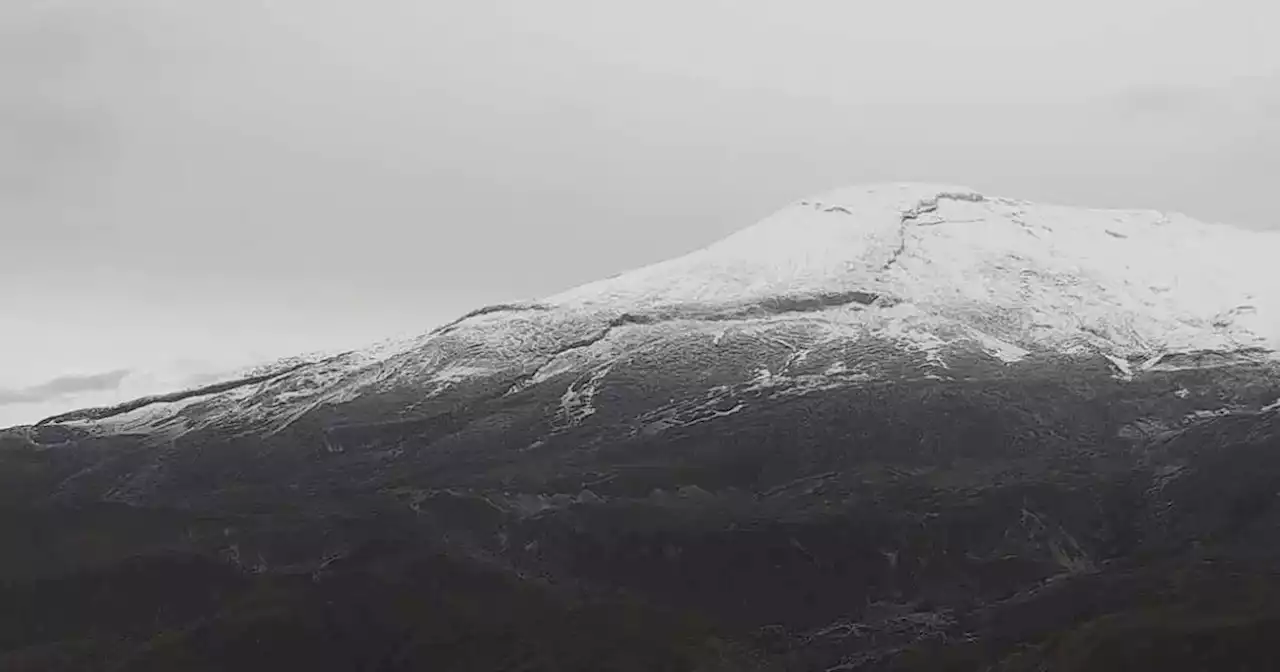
(1043, 516)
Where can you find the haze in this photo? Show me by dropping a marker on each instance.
(187, 187)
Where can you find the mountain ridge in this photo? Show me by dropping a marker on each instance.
(860, 436)
(860, 249)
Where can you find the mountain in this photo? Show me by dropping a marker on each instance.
(891, 427)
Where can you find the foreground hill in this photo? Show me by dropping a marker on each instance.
(892, 427)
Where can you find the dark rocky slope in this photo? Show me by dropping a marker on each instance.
(1025, 515)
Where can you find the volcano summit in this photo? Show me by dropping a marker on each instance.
(890, 427)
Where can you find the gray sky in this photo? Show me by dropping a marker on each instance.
(186, 186)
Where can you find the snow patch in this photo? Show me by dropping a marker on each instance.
(689, 412)
(576, 404)
(1002, 350)
(1124, 371)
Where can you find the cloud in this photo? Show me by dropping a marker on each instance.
(64, 386)
(61, 65)
(1255, 97)
(1165, 99)
(20, 405)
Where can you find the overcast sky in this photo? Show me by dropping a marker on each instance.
(191, 185)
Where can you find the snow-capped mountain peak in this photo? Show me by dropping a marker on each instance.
(1142, 281)
(931, 270)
